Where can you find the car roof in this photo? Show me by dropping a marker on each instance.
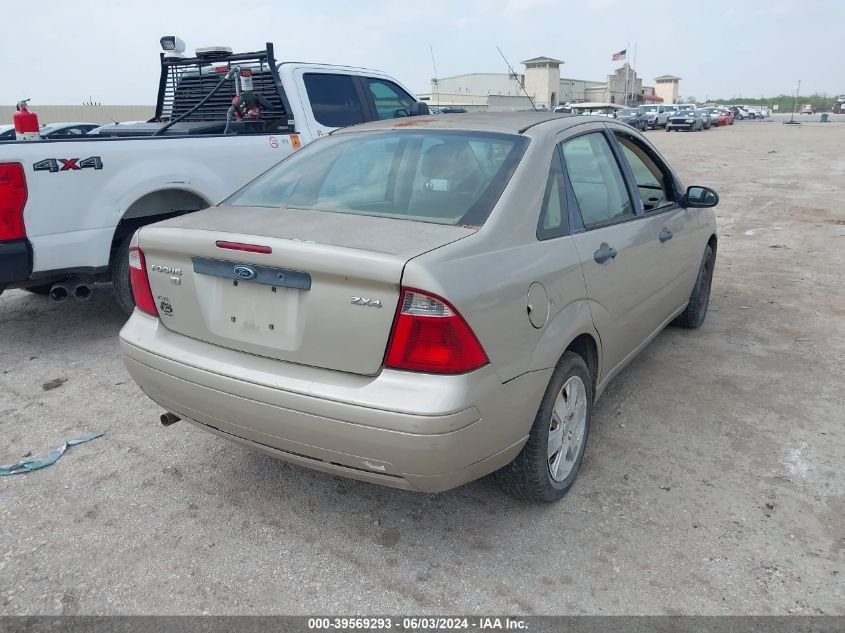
(502, 122)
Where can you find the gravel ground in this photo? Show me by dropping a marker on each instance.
(713, 483)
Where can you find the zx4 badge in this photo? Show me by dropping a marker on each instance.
(68, 164)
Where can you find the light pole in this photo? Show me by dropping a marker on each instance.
(792, 120)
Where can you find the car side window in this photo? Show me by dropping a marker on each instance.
(334, 100)
(554, 220)
(596, 180)
(653, 180)
(391, 101)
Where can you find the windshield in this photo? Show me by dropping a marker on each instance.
(647, 109)
(436, 176)
(627, 112)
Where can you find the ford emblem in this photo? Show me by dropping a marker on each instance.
(244, 272)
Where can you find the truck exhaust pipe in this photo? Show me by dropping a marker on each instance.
(61, 291)
(169, 418)
(82, 291)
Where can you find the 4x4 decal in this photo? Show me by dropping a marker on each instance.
(68, 164)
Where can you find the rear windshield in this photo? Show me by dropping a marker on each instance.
(435, 176)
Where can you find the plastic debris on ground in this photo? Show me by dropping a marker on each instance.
(29, 465)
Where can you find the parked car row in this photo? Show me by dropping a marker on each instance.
(52, 130)
(696, 119)
(750, 112)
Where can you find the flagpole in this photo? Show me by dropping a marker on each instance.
(634, 76)
(627, 68)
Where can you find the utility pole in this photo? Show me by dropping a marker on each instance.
(792, 120)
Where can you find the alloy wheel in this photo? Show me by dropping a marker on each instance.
(566, 428)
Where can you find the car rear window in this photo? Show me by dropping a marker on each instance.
(436, 176)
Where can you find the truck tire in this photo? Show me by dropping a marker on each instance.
(120, 277)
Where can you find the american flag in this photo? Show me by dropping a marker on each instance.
(618, 57)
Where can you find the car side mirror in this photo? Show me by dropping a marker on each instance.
(700, 197)
(419, 108)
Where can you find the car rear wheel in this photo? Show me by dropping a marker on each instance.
(693, 316)
(548, 464)
(120, 277)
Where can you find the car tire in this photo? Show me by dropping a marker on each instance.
(534, 475)
(696, 311)
(120, 277)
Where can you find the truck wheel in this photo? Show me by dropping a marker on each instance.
(120, 277)
(546, 467)
(40, 290)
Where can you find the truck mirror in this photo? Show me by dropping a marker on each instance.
(419, 108)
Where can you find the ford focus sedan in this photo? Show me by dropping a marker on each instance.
(419, 303)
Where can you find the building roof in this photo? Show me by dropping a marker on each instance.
(535, 60)
(667, 78)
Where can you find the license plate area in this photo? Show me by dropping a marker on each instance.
(259, 312)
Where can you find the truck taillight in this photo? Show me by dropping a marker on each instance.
(12, 201)
(430, 336)
(141, 291)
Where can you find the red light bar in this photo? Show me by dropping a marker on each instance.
(221, 69)
(247, 248)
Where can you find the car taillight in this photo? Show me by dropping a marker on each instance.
(12, 201)
(141, 291)
(430, 336)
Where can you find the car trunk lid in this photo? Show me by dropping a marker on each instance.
(325, 295)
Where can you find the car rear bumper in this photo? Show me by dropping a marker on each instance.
(15, 262)
(406, 430)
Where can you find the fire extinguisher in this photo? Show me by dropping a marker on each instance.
(26, 123)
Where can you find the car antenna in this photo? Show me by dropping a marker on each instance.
(435, 81)
(515, 76)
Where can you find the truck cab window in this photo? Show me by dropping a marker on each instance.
(334, 100)
(391, 101)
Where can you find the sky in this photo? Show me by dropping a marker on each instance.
(108, 51)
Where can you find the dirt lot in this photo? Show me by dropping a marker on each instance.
(713, 482)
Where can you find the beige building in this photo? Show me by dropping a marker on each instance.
(543, 84)
(542, 80)
(667, 88)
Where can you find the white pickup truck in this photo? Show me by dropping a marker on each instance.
(69, 207)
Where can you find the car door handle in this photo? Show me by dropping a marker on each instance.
(666, 235)
(604, 254)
